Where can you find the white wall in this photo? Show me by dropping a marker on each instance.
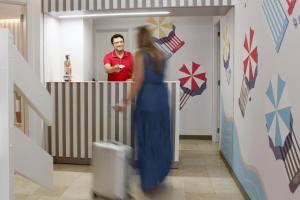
(34, 25)
(197, 34)
(71, 43)
(6, 160)
(252, 128)
(52, 50)
(88, 44)
(227, 81)
(215, 78)
(73, 37)
(261, 171)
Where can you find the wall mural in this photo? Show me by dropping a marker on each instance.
(291, 5)
(296, 21)
(193, 78)
(276, 19)
(160, 26)
(192, 83)
(279, 123)
(230, 147)
(164, 35)
(226, 54)
(250, 65)
(281, 139)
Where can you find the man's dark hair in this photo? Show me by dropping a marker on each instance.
(116, 36)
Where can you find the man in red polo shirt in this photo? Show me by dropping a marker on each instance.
(118, 63)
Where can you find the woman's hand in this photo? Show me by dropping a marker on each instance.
(120, 107)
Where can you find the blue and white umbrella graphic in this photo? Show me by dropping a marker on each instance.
(282, 139)
(278, 116)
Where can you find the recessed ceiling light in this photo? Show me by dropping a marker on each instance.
(115, 14)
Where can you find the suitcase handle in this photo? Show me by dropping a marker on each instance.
(114, 142)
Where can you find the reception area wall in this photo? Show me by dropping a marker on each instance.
(189, 48)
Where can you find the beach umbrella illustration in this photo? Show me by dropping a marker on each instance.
(250, 65)
(280, 131)
(226, 54)
(164, 36)
(160, 26)
(278, 119)
(291, 5)
(192, 82)
(251, 59)
(169, 44)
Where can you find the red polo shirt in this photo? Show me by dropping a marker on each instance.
(126, 72)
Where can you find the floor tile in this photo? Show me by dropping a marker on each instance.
(202, 174)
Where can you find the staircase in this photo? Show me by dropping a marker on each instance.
(18, 153)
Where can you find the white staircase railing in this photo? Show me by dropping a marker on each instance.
(17, 152)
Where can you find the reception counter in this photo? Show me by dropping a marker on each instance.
(83, 114)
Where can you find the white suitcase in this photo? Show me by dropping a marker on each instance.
(111, 163)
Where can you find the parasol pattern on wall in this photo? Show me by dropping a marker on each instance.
(291, 5)
(250, 66)
(192, 82)
(279, 123)
(160, 27)
(226, 54)
(164, 35)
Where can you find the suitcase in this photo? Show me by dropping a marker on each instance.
(111, 161)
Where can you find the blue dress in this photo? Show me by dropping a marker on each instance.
(152, 123)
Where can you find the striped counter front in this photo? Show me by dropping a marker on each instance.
(83, 114)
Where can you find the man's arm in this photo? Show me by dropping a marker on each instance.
(107, 65)
(111, 69)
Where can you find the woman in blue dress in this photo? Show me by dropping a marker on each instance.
(152, 116)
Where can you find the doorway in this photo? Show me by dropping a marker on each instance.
(217, 83)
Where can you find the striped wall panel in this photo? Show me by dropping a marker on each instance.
(16, 29)
(83, 114)
(92, 5)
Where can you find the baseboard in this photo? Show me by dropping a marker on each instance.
(196, 137)
(236, 180)
(73, 161)
(81, 161)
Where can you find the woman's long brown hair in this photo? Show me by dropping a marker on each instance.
(145, 41)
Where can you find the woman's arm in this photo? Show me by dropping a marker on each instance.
(138, 72)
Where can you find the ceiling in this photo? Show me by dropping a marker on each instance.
(11, 11)
(188, 11)
(201, 11)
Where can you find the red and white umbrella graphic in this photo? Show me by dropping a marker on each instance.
(250, 65)
(192, 82)
(251, 60)
(291, 5)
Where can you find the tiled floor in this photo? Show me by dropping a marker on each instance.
(201, 175)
